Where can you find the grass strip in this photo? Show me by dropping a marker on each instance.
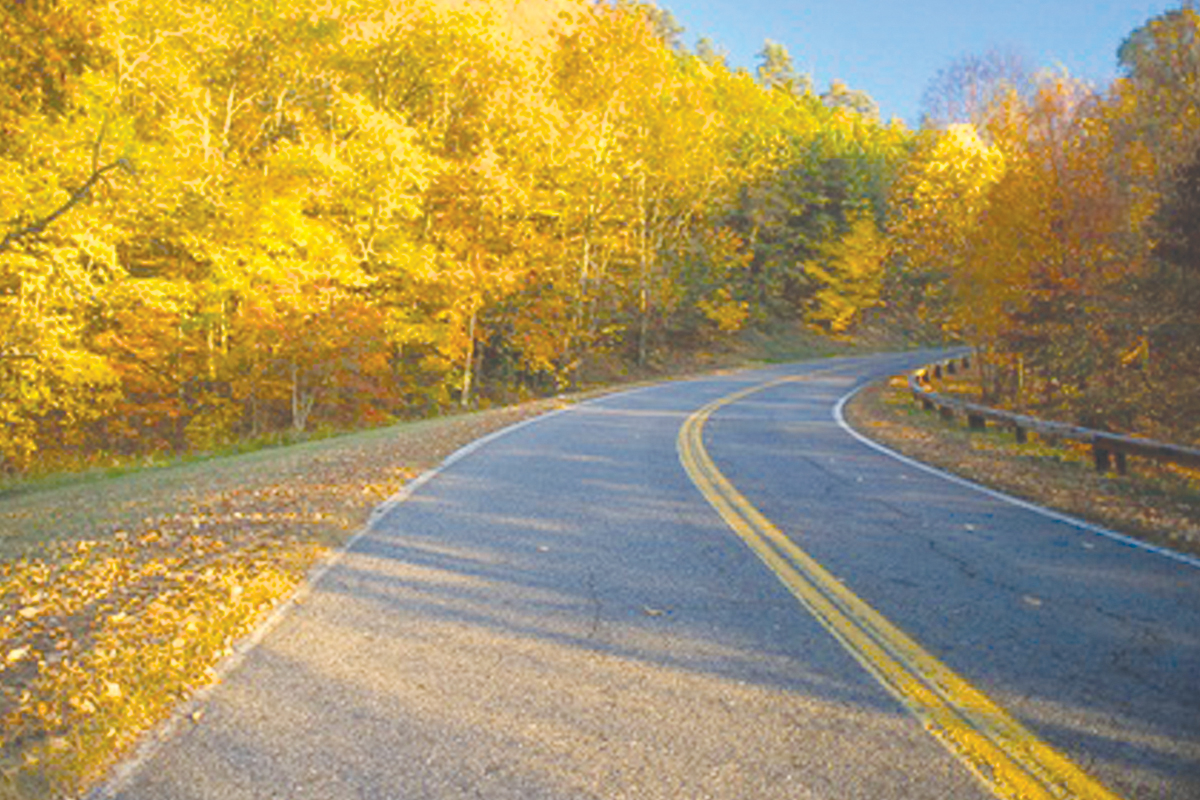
(118, 597)
(121, 593)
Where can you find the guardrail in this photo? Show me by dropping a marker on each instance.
(1107, 448)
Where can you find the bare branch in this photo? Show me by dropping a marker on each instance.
(38, 226)
(964, 90)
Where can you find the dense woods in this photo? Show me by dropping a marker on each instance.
(225, 221)
(222, 221)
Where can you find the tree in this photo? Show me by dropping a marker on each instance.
(849, 274)
(1160, 93)
(57, 259)
(936, 202)
(45, 48)
(665, 26)
(840, 95)
(968, 89)
(776, 71)
(709, 53)
(1168, 298)
(249, 219)
(1165, 53)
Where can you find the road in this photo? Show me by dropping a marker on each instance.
(709, 589)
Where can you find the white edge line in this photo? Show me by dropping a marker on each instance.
(425, 477)
(1174, 555)
(121, 773)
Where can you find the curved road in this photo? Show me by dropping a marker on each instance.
(710, 589)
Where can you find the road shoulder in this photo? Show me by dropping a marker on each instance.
(1152, 505)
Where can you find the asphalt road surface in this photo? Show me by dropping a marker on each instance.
(588, 607)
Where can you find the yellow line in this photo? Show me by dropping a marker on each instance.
(1008, 758)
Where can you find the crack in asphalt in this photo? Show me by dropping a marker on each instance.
(1149, 645)
(594, 597)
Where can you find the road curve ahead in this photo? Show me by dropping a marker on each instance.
(709, 589)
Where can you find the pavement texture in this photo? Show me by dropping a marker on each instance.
(560, 614)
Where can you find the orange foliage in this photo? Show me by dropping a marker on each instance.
(1052, 266)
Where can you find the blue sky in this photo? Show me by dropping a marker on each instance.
(891, 50)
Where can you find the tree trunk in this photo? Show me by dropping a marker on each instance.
(643, 275)
(302, 401)
(469, 359)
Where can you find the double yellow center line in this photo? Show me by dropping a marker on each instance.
(999, 750)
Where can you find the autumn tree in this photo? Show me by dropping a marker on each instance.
(1161, 60)
(849, 274)
(57, 257)
(970, 88)
(839, 95)
(1170, 296)
(1154, 122)
(776, 71)
(1068, 263)
(936, 202)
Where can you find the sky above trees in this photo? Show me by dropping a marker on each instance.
(892, 50)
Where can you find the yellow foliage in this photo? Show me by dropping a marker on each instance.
(942, 191)
(849, 273)
(937, 201)
(728, 314)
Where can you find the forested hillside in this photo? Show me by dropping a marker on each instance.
(224, 221)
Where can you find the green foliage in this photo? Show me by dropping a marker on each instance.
(777, 73)
(1169, 295)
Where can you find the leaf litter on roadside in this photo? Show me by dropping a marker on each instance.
(1157, 503)
(102, 634)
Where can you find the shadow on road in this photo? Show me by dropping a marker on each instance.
(561, 615)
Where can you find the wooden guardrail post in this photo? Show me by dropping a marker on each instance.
(1109, 450)
(1103, 458)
